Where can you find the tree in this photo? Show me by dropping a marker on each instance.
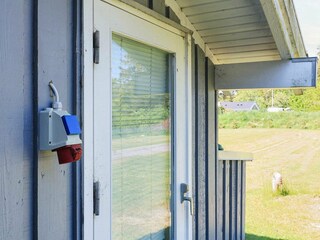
(310, 100)
(264, 97)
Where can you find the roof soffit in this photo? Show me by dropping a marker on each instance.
(235, 31)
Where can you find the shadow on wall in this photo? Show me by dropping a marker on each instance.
(250, 236)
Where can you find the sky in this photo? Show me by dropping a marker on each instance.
(308, 12)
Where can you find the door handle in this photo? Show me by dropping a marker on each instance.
(184, 188)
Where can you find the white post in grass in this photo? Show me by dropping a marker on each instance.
(276, 181)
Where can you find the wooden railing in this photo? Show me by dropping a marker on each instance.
(231, 188)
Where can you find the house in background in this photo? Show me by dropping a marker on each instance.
(142, 77)
(239, 106)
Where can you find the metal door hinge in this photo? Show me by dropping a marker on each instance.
(96, 47)
(96, 198)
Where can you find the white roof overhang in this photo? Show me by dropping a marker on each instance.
(234, 31)
(238, 34)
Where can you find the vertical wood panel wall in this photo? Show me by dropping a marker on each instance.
(201, 156)
(219, 186)
(204, 147)
(57, 61)
(38, 43)
(16, 127)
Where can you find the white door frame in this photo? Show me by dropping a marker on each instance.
(87, 121)
(93, 228)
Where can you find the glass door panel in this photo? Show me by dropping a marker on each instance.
(141, 143)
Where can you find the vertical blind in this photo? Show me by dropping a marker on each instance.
(141, 158)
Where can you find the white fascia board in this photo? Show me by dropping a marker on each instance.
(295, 29)
(282, 20)
(184, 21)
(295, 73)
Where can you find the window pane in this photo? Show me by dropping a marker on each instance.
(141, 149)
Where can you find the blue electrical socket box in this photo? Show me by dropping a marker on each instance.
(71, 124)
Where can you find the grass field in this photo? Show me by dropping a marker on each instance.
(261, 119)
(296, 155)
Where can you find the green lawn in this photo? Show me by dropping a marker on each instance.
(261, 119)
(296, 155)
(141, 187)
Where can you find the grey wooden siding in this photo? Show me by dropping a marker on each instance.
(219, 186)
(212, 152)
(204, 146)
(200, 144)
(39, 42)
(16, 129)
(57, 61)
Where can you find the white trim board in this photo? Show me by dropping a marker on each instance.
(234, 156)
(284, 26)
(87, 109)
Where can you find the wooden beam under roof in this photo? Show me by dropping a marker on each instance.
(296, 73)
